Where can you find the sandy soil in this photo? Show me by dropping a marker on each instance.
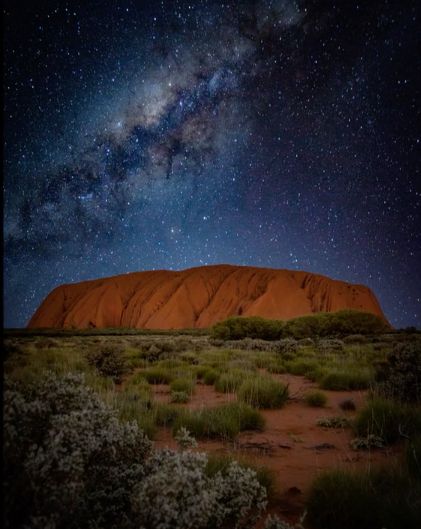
(292, 445)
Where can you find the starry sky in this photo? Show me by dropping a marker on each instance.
(172, 134)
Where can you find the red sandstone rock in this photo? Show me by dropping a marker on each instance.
(198, 297)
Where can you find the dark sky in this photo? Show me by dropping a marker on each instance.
(170, 134)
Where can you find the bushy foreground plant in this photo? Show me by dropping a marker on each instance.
(69, 463)
(365, 500)
(388, 419)
(350, 379)
(223, 422)
(399, 376)
(263, 392)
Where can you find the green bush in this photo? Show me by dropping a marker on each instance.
(388, 419)
(341, 323)
(346, 380)
(399, 376)
(231, 381)
(109, 362)
(253, 327)
(210, 376)
(316, 399)
(158, 375)
(223, 422)
(301, 366)
(183, 384)
(366, 500)
(166, 414)
(179, 397)
(263, 392)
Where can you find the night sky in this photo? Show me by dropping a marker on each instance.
(172, 134)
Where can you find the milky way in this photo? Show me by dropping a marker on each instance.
(171, 134)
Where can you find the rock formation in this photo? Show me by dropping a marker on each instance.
(197, 297)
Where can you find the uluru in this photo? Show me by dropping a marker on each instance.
(197, 298)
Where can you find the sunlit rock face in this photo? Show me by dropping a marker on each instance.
(197, 298)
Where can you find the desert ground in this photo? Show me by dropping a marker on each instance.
(172, 380)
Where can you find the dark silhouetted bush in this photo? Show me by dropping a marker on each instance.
(109, 362)
(253, 327)
(399, 377)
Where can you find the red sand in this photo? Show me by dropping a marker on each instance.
(198, 297)
(292, 445)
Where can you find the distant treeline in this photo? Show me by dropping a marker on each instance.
(341, 323)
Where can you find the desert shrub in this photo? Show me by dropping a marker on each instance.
(315, 399)
(210, 376)
(158, 375)
(263, 392)
(346, 380)
(301, 366)
(68, 462)
(165, 414)
(224, 421)
(109, 362)
(189, 357)
(399, 376)
(179, 397)
(333, 422)
(367, 500)
(326, 346)
(341, 323)
(413, 457)
(347, 405)
(388, 419)
(193, 500)
(276, 367)
(253, 327)
(367, 443)
(286, 347)
(231, 381)
(306, 342)
(355, 339)
(184, 439)
(185, 385)
(274, 522)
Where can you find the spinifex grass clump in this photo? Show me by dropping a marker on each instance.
(229, 382)
(263, 392)
(223, 422)
(315, 399)
(349, 379)
(365, 500)
(388, 419)
(158, 375)
(185, 385)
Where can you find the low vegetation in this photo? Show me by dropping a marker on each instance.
(341, 323)
(263, 392)
(373, 499)
(74, 403)
(222, 422)
(315, 399)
